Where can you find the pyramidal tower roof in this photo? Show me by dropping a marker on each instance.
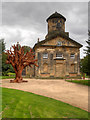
(56, 15)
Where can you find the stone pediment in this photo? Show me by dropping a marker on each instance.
(59, 41)
(56, 38)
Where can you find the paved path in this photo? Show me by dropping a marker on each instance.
(74, 94)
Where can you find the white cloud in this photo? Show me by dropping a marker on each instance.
(12, 35)
(25, 22)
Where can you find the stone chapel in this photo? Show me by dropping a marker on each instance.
(58, 55)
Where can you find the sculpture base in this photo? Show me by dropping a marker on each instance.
(14, 81)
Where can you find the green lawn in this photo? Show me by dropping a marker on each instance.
(6, 77)
(20, 104)
(83, 82)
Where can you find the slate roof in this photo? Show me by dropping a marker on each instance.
(56, 15)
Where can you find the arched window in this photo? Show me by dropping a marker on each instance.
(59, 43)
(58, 25)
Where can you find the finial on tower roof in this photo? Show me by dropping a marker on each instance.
(38, 40)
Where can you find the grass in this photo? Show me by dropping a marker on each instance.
(20, 104)
(83, 82)
(6, 77)
(11, 74)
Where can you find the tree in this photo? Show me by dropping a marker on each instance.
(0, 57)
(3, 55)
(88, 42)
(26, 48)
(88, 53)
(4, 68)
(84, 65)
(85, 62)
(19, 60)
(2, 46)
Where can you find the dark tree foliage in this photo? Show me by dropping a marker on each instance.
(5, 68)
(83, 65)
(0, 57)
(2, 46)
(85, 62)
(26, 48)
(88, 42)
(88, 52)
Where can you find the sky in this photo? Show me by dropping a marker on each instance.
(25, 22)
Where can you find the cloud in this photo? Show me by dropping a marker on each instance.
(17, 34)
(26, 21)
(89, 15)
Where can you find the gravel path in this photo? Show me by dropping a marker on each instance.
(74, 94)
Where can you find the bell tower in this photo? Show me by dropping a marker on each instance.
(56, 22)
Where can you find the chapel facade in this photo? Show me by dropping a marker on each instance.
(58, 55)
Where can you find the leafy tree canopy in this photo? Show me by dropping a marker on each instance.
(85, 63)
(4, 68)
(2, 46)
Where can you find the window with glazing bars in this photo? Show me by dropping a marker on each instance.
(45, 55)
(59, 55)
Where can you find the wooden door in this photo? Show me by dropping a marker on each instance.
(60, 70)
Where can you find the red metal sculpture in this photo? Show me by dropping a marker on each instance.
(19, 60)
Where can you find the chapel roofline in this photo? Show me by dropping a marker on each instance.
(61, 34)
(55, 15)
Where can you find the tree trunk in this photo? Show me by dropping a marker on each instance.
(18, 78)
(84, 76)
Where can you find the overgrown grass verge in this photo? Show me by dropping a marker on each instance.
(83, 82)
(20, 104)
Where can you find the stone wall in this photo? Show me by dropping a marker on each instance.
(30, 71)
(52, 67)
(63, 41)
(52, 24)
